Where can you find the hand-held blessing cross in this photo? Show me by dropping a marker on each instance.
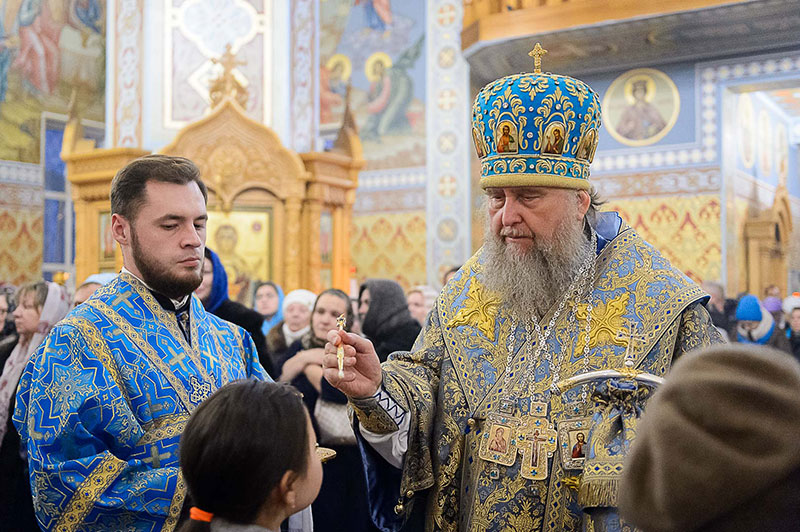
(340, 322)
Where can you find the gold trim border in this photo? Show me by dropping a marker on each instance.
(88, 491)
(99, 346)
(535, 180)
(164, 427)
(177, 504)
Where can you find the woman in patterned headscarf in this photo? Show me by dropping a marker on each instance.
(41, 305)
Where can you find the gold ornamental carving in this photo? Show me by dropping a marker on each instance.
(226, 85)
(235, 153)
(251, 176)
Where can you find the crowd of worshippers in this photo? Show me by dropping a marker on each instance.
(771, 320)
(288, 331)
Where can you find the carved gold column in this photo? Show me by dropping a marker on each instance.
(333, 183)
(292, 250)
(312, 261)
(767, 239)
(766, 260)
(342, 223)
(759, 236)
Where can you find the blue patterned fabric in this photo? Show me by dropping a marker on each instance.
(102, 404)
(536, 129)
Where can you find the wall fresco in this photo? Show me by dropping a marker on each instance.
(390, 246)
(50, 52)
(375, 49)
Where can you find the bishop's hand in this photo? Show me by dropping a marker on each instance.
(362, 368)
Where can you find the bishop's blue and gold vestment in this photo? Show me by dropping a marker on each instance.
(103, 402)
(468, 454)
(451, 383)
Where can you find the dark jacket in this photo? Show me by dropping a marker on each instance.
(388, 323)
(725, 319)
(8, 341)
(276, 346)
(780, 341)
(794, 342)
(16, 508)
(7, 345)
(304, 386)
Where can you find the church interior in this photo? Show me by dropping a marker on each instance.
(361, 164)
(334, 135)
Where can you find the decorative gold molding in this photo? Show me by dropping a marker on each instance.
(492, 21)
(235, 153)
(245, 165)
(768, 239)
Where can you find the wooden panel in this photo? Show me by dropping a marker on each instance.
(495, 21)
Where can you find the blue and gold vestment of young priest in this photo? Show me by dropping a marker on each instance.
(103, 402)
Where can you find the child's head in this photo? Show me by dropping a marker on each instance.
(249, 452)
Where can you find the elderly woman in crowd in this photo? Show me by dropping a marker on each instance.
(296, 310)
(41, 305)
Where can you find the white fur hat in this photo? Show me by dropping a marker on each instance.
(306, 297)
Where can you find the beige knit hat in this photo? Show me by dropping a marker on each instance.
(718, 448)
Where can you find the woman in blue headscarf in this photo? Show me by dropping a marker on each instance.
(268, 302)
(757, 326)
(213, 292)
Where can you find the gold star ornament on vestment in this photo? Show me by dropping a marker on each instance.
(479, 311)
(607, 320)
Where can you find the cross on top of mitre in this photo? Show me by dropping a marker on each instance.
(537, 54)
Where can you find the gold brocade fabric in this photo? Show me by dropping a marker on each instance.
(449, 384)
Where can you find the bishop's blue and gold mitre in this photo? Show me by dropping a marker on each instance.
(536, 129)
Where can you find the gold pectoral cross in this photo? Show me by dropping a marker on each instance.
(537, 442)
(531, 435)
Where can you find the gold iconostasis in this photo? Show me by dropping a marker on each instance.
(274, 214)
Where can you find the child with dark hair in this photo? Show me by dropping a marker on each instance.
(248, 457)
(342, 501)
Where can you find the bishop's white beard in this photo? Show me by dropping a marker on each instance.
(532, 282)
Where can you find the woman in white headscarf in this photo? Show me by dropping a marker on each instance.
(41, 305)
(296, 323)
